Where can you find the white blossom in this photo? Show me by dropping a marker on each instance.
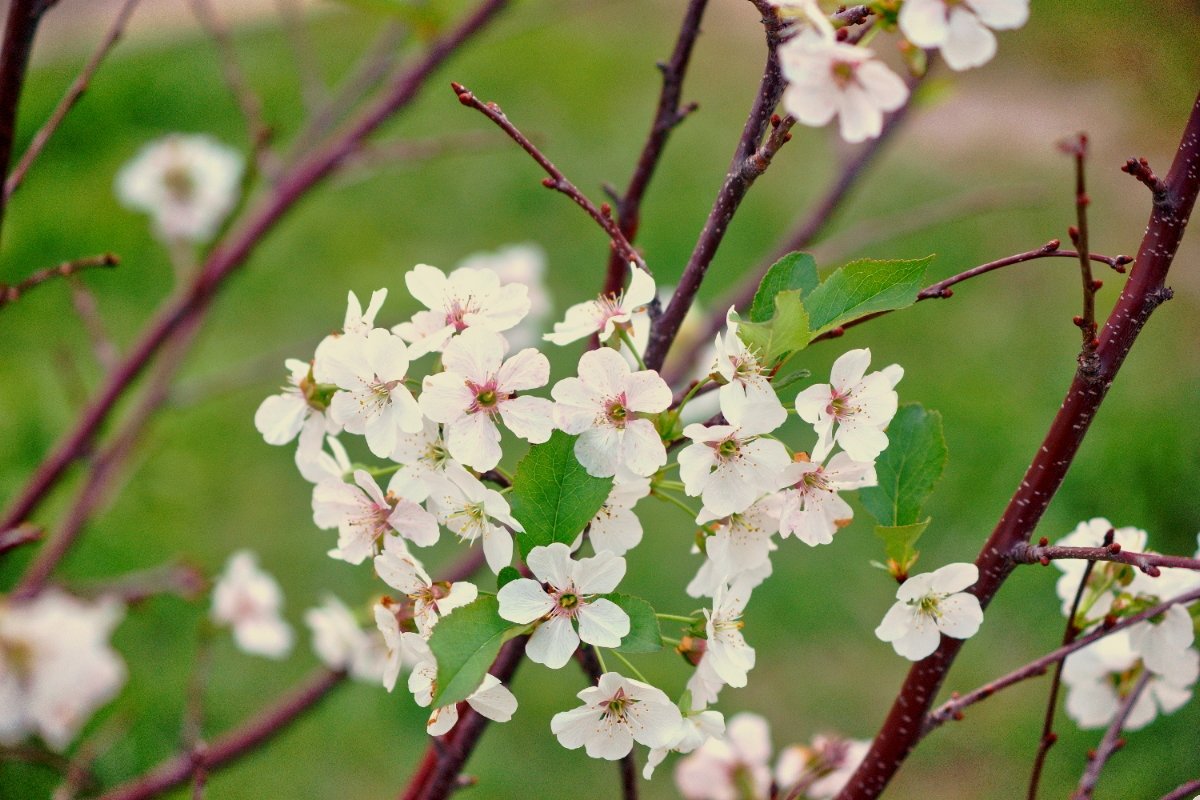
(711, 575)
(731, 658)
(616, 528)
(249, 601)
(187, 183)
(746, 385)
(705, 684)
(317, 465)
(362, 514)
(1098, 599)
(822, 768)
(860, 405)
(827, 78)
(742, 542)
(696, 729)
(431, 601)
(342, 644)
(605, 315)
(960, 27)
(423, 456)
(812, 508)
(466, 299)
(523, 264)
(929, 605)
(281, 417)
(56, 665)
(725, 768)
(617, 712)
(480, 385)
(564, 594)
(601, 406)
(474, 512)
(403, 647)
(1163, 644)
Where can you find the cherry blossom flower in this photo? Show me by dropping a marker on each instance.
(746, 384)
(474, 512)
(731, 466)
(467, 298)
(431, 601)
(403, 647)
(705, 684)
(342, 644)
(492, 699)
(617, 712)
(362, 514)
(564, 593)
(821, 769)
(731, 658)
(1098, 599)
(615, 528)
(827, 78)
(317, 465)
(960, 27)
(742, 541)
(423, 456)
(711, 575)
(187, 183)
(729, 767)
(609, 313)
(860, 405)
(812, 509)
(696, 729)
(479, 385)
(249, 601)
(601, 406)
(370, 370)
(929, 605)
(1163, 644)
(523, 264)
(281, 417)
(56, 665)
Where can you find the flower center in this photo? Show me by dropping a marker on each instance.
(727, 449)
(617, 706)
(179, 183)
(929, 605)
(457, 310)
(568, 600)
(843, 73)
(816, 480)
(488, 397)
(616, 411)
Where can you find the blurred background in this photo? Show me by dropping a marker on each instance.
(975, 172)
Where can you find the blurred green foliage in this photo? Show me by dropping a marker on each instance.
(579, 76)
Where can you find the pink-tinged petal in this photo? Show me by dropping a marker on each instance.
(475, 354)
(599, 451)
(603, 623)
(414, 523)
(599, 574)
(1001, 14)
(969, 44)
(368, 485)
(647, 392)
(813, 105)
(524, 600)
(504, 308)
(528, 369)
(642, 451)
(750, 736)
(474, 440)
(280, 417)
(552, 564)
(444, 397)
(427, 284)
(497, 547)
(961, 615)
(553, 643)
(531, 418)
(923, 22)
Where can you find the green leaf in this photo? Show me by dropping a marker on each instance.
(783, 382)
(793, 271)
(908, 468)
(900, 544)
(506, 576)
(553, 496)
(785, 332)
(465, 643)
(644, 634)
(864, 287)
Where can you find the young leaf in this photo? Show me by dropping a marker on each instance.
(786, 331)
(465, 644)
(900, 545)
(553, 496)
(908, 468)
(506, 576)
(793, 271)
(864, 287)
(644, 634)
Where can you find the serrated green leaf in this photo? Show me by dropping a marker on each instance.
(793, 271)
(786, 331)
(783, 382)
(908, 468)
(553, 496)
(899, 542)
(864, 287)
(644, 635)
(506, 576)
(465, 644)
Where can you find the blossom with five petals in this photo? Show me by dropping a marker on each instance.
(362, 514)
(960, 27)
(929, 605)
(860, 405)
(605, 315)
(467, 298)
(617, 712)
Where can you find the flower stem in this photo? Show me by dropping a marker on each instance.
(675, 501)
(628, 340)
(636, 672)
(600, 659)
(675, 618)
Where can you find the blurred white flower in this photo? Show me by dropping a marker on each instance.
(929, 605)
(525, 265)
(342, 644)
(960, 27)
(821, 769)
(617, 712)
(249, 601)
(731, 767)
(187, 183)
(1102, 589)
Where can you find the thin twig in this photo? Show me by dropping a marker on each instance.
(557, 180)
(666, 117)
(20, 26)
(10, 294)
(74, 92)
(1086, 322)
(88, 311)
(1183, 792)
(953, 708)
(180, 579)
(1112, 741)
(313, 90)
(21, 535)
(1149, 563)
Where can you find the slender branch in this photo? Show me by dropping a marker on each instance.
(1143, 292)
(179, 578)
(232, 253)
(557, 180)
(1086, 322)
(750, 159)
(20, 26)
(21, 535)
(177, 770)
(953, 708)
(10, 294)
(1049, 737)
(1112, 741)
(313, 90)
(74, 92)
(1149, 563)
(666, 117)
(1139, 168)
(1183, 791)
(586, 655)
(105, 349)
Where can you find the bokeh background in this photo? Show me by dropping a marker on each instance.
(975, 170)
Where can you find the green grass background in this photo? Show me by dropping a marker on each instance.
(995, 360)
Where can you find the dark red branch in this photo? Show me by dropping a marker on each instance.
(1183, 791)
(557, 180)
(1149, 563)
(1111, 742)
(1139, 168)
(19, 29)
(1144, 292)
(666, 117)
(10, 294)
(1086, 322)
(20, 535)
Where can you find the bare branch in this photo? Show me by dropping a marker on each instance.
(103, 346)
(10, 294)
(21, 535)
(1112, 741)
(1149, 563)
(19, 29)
(1183, 792)
(1086, 322)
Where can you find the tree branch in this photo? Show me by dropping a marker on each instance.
(1149, 563)
(1144, 292)
(1086, 322)
(1112, 741)
(20, 535)
(19, 29)
(1183, 792)
(10, 294)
